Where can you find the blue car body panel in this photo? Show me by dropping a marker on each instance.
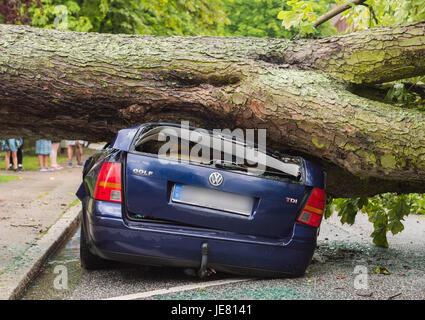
(123, 139)
(114, 238)
(314, 175)
(269, 241)
(150, 196)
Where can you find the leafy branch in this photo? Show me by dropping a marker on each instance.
(385, 211)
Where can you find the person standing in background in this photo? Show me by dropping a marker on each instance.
(11, 148)
(20, 144)
(78, 144)
(43, 148)
(54, 154)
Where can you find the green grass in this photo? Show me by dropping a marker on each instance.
(30, 162)
(43, 195)
(73, 203)
(7, 178)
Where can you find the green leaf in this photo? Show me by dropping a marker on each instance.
(282, 14)
(308, 29)
(395, 227)
(348, 212)
(381, 270)
(329, 208)
(380, 237)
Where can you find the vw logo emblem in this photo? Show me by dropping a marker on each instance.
(216, 179)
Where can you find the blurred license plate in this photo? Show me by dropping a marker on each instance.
(213, 199)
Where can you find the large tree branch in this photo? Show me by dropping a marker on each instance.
(86, 85)
(366, 57)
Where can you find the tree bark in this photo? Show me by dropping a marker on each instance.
(87, 86)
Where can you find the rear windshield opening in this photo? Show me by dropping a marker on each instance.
(223, 152)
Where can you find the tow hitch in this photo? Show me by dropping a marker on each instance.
(203, 271)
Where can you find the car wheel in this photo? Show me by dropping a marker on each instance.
(89, 261)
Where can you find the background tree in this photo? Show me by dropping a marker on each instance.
(16, 11)
(160, 17)
(259, 18)
(256, 18)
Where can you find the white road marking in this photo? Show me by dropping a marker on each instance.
(147, 294)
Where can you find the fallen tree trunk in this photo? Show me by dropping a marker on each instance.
(87, 86)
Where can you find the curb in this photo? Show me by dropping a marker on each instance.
(13, 287)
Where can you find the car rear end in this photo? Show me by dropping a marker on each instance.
(143, 208)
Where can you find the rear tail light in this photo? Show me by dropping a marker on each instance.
(313, 211)
(108, 186)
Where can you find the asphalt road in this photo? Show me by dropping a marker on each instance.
(343, 268)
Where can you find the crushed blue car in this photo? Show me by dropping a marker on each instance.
(210, 212)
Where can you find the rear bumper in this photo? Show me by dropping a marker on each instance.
(111, 237)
